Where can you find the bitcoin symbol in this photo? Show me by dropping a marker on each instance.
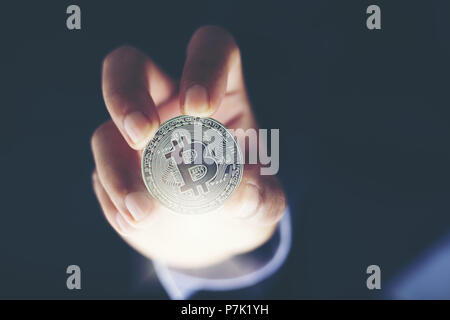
(194, 163)
(190, 174)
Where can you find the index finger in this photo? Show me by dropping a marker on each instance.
(131, 85)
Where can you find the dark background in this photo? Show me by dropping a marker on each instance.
(363, 118)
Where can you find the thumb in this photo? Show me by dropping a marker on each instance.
(259, 200)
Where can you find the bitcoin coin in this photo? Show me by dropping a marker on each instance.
(192, 165)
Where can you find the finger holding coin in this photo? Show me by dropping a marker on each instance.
(133, 85)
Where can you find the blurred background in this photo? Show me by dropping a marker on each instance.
(364, 130)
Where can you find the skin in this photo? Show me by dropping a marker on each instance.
(139, 97)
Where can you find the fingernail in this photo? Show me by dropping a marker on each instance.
(251, 199)
(196, 100)
(137, 126)
(122, 224)
(139, 205)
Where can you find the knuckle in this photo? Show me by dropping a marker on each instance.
(213, 30)
(216, 34)
(100, 132)
(122, 52)
(211, 52)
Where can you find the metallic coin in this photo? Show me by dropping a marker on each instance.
(192, 165)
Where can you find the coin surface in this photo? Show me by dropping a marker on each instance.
(192, 165)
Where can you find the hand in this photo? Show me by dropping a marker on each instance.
(139, 97)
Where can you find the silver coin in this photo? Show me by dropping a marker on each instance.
(192, 165)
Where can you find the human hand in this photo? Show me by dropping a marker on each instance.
(139, 97)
